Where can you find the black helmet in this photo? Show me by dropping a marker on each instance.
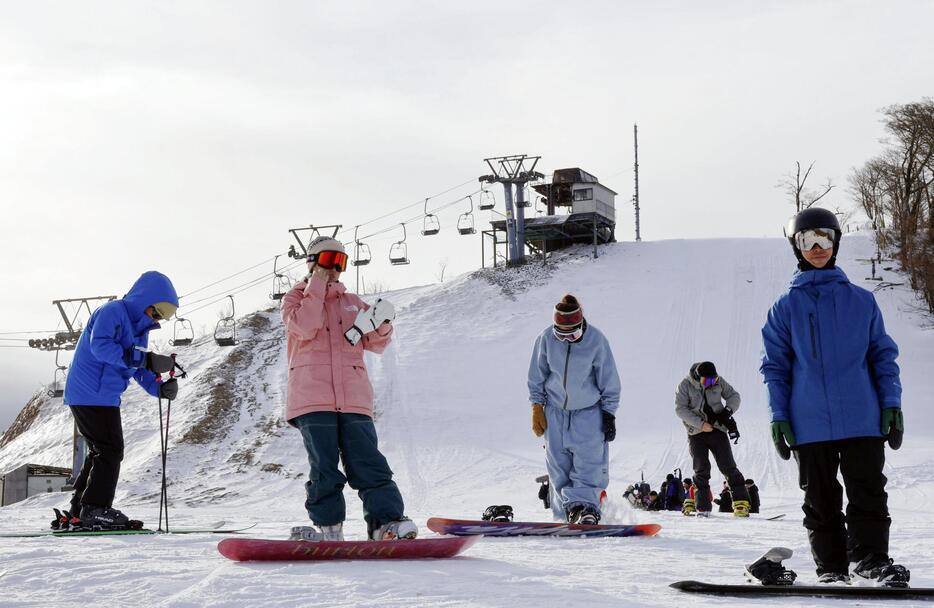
(813, 217)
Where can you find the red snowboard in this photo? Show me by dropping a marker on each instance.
(256, 549)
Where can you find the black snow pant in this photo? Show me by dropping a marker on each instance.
(718, 443)
(97, 481)
(835, 539)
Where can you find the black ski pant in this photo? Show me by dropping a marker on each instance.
(97, 482)
(717, 443)
(837, 540)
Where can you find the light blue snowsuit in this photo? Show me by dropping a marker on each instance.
(575, 382)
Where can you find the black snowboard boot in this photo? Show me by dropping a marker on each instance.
(497, 513)
(882, 571)
(768, 569)
(585, 515)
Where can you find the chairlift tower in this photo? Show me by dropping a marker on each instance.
(513, 171)
(635, 196)
(302, 252)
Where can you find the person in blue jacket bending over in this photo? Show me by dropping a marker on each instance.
(574, 389)
(110, 351)
(835, 398)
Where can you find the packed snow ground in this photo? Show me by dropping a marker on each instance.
(454, 422)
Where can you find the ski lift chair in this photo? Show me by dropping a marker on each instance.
(465, 223)
(183, 333)
(280, 283)
(361, 255)
(487, 200)
(225, 332)
(398, 253)
(57, 390)
(431, 225)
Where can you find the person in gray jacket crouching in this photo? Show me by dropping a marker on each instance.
(699, 403)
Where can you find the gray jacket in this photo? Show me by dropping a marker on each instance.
(689, 403)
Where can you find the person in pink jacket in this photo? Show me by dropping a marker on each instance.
(330, 398)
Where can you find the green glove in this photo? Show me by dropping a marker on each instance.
(782, 433)
(893, 426)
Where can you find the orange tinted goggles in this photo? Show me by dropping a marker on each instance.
(330, 259)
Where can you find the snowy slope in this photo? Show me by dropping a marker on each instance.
(454, 422)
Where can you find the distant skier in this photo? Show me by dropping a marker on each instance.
(835, 397)
(330, 399)
(574, 389)
(674, 493)
(753, 491)
(699, 404)
(109, 352)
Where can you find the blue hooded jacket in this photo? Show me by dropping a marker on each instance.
(105, 357)
(574, 376)
(827, 362)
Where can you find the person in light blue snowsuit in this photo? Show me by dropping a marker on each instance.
(574, 390)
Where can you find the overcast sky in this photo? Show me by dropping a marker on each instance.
(189, 136)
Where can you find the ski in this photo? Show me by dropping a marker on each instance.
(256, 549)
(468, 527)
(850, 591)
(141, 532)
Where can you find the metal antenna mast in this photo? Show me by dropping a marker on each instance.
(512, 170)
(635, 197)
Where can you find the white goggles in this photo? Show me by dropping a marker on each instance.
(571, 336)
(822, 237)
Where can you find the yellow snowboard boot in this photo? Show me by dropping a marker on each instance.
(741, 508)
(688, 508)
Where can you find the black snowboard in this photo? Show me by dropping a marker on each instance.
(852, 591)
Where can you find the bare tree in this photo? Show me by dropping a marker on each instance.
(795, 185)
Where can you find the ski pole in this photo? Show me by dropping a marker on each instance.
(164, 442)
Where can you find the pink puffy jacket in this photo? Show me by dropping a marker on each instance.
(326, 373)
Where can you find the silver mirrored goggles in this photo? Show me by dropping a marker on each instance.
(821, 237)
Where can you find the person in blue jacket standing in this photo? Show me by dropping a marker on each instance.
(574, 390)
(835, 397)
(110, 351)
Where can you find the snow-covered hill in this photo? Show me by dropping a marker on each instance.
(453, 418)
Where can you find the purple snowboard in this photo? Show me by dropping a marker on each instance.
(467, 527)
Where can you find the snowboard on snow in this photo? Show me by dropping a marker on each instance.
(256, 549)
(218, 528)
(828, 590)
(768, 577)
(469, 527)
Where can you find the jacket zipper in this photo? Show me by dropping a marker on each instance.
(813, 336)
(567, 360)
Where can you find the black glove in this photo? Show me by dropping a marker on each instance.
(732, 430)
(168, 389)
(893, 426)
(159, 364)
(609, 426)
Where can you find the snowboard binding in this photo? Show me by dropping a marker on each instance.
(768, 569)
(544, 491)
(500, 513)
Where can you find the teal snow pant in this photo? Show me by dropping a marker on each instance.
(331, 438)
(577, 458)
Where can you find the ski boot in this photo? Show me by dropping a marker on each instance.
(501, 513)
(332, 533)
(768, 569)
(401, 529)
(704, 514)
(741, 508)
(882, 571)
(105, 518)
(584, 515)
(689, 507)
